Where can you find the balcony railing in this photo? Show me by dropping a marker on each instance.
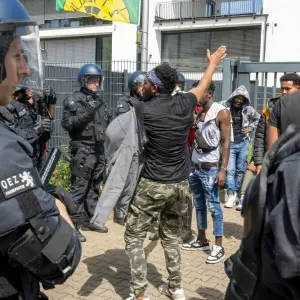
(198, 9)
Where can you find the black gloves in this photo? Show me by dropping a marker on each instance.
(43, 125)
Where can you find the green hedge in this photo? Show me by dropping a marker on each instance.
(62, 175)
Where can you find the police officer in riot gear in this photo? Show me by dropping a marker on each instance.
(266, 265)
(37, 241)
(85, 117)
(21, 114)
(135, 94)
(181, 81)
(180, 84)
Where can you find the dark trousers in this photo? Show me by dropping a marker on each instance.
(87, 167)
(16, 284)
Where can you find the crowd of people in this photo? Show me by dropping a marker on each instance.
(264, 265)
(144, 180)
(166, 151)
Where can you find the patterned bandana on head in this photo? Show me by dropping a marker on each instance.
(155, 80)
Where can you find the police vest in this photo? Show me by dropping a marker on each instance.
(21, 116)
(95, 129)
(24, 117)
(34, 239)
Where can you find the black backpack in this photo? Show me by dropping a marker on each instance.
(267, 264)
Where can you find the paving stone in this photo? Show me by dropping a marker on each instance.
(104, 271)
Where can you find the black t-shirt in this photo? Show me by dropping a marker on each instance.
(286, 112)
(167, 122)
(237, 122)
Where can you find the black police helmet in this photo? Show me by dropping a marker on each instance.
(87, 71)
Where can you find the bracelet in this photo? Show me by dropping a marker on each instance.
(224, 168)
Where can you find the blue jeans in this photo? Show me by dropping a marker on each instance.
(237, 166)
(206, 196)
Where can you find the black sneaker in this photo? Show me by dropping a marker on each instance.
(81, 237)
(96, 228)
(119, 221)
(196, 245)
(217, 254)
(42, 296)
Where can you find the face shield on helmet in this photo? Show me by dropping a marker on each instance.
(139, 80)
(136, 85)
(20, 55)
(93, 83)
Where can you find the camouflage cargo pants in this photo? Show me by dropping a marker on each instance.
(171, 201)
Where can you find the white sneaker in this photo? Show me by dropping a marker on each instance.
(237, 200)
(231, 200)
(217, 254)
(177, 295)
(239, 207)
(196, 245)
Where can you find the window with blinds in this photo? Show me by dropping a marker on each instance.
(188, 49)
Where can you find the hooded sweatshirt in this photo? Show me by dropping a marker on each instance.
(246, 117)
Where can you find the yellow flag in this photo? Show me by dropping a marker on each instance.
(126, 11)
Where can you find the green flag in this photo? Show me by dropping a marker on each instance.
(127, 11)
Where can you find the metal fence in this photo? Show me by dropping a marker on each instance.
(198, 9)
(63, 79)
(261, 79)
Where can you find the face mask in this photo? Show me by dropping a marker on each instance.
(237, 105)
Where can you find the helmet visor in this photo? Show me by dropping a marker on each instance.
(96, 81)
(23, 39)
(139, 80)
(32, 55)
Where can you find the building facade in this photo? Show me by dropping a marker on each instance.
(75, 37)
(179, 31)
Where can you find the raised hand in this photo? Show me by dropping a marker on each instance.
(217, 57)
